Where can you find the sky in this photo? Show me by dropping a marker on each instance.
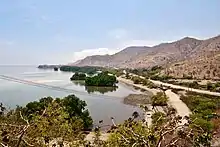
(58, 32)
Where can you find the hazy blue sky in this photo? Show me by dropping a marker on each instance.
(62, 31)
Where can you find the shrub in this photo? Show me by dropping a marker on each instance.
(136, 80)
(160, 99)
(78, 76)
(158, 118)
(73, 106)
(102, 79)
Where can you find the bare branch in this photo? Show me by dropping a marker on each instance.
(4, 145)
(23, 118)
(27, 142)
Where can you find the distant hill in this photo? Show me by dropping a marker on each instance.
(115, 60)
(188, 55)
(202, 63)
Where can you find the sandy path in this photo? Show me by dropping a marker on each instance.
(174, 99)
(185, 88)
(154, 91)
(90, 136)
(181, 87)
(180, 106)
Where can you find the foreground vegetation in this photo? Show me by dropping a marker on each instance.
(63, 121)
(205, 109)
(40, 122)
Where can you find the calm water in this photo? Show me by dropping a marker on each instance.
(103, 103)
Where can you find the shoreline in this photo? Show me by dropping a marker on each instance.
(147, 115)
(174, 99)
(129, 82)
(137, 99)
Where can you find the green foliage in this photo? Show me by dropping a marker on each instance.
(35, 107)
(78, 76)
(161, 77)
(84, 69)
(51, 125)
(145, 82)
(76, 108)
(56, 69)
(213, 86)
(102, 79)
(167, 132)
(200, 122)
(136, 80)
(71, 104)
(160, 99)
(116, 72)
(158, 118)
(147, 72)
(102, 90)
(54, 124)
(203, 108)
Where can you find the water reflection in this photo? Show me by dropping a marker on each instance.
(79, 83)
(94, 89)
(102, 90)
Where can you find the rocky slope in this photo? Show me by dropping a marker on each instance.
(165, 53)
(189, 56)
(206, 66)
(117, 60)
(140, 56)
(202, 63)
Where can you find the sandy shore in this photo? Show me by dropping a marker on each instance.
(137, 99)
(174, 99)
(127, 81)
(180, 106)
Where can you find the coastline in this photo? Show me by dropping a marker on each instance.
(149, 91)
(129, 82)
(174, 99)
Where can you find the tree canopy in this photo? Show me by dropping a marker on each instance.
(40, 123)
(102, 79)
(52, 122)
(78, 76)
(72, 105)
(160, 99)
(84, 69)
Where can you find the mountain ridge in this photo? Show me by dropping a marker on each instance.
(133, 55)
(185, 56)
